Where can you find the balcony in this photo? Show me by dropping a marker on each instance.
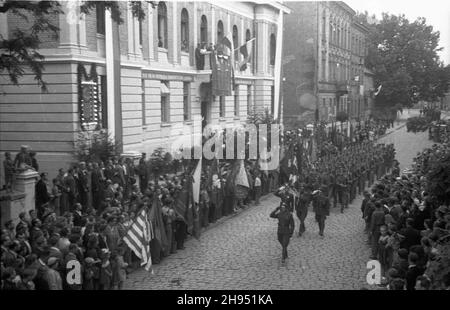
(342, 87)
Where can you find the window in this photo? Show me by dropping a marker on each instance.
(338, 41)
(236, 41)
(162, 25)
(272, 49)
(144, 115)
(248, 35)
(324, 26)
(331, 107)
(184, 30)
(222, 106)
(236, 100)
(203, 30)
(103, 106)
(219, 31)
(330, 35)
(140, 25)
(140, 32)
(249, 99)
(272, 99)
(186, 101)
(165, 102)
(100, 14)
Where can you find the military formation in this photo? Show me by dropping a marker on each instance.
(333, 180)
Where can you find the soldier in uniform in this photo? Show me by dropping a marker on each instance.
(301, 207)
(321, 206)
(342, 185)
(285, 227)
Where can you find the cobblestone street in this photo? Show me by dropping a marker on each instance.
(243, 252)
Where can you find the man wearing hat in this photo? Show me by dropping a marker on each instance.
(286, 227)
(301, 207)
(53, 277)
(321, 206)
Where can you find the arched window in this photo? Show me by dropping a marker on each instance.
(203, 29)
(184, 30)
(248, 35)
(235, 41)
(330, 34)
(324, 25)
(162, 25)
(273, 44)
(219, 31)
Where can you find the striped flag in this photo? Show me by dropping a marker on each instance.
(138, 238)
(246, 51)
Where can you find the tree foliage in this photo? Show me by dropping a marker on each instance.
(438, 178)
(95, 147)
(403, 56)
(20, 51)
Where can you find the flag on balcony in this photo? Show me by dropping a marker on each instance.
(246, 51)
(221, 79)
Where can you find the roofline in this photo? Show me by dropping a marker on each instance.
(275, 4)
(361, 26)
(345, 6)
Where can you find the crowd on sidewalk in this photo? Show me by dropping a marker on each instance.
(84, 215)
(405, 224)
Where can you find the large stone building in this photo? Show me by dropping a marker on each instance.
(138, 80)
(324, 53)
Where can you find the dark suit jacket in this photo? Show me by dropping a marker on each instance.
(41, 193)
(95, 179)
(411, 276)
(321, 206)
(71, 184)
(285, 221)
(77, 218)
(412, 237)
(376, 220)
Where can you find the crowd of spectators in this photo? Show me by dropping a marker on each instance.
(83, 215)
(406, 224)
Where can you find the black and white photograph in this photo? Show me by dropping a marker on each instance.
(210, 147)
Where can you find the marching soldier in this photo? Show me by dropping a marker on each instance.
(321, 206)
(301, 207)
(285, 227)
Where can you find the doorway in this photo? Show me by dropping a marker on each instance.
(206, 101)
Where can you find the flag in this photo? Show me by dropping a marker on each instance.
(196, 179)
(195, 201)
(181, 203)
(241, 177)
(246, 51)
(228, 42)
(378, 90)
(222, 75)
(138, 238)
(158, 225)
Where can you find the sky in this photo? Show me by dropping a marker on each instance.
(436, 12)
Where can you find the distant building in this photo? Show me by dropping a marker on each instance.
(138, 81)
(324, 50)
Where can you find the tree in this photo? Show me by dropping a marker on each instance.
(21, 50)
(403, 56)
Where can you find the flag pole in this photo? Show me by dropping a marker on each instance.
(277, 68)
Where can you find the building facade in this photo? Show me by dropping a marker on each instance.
(137, 80)
(323, 62)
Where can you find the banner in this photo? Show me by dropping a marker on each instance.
(221, 77)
